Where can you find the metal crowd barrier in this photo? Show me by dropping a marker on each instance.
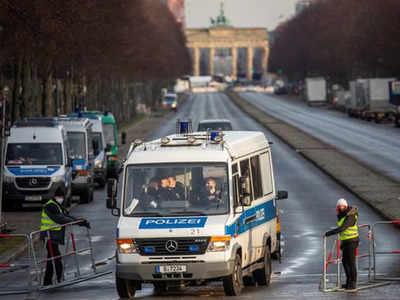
(16, 267)
(387, 252)
(72, 253)
(334, 257)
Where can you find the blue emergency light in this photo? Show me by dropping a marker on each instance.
(194, 248)
(183, 126)
(149, 249)
(213, 135)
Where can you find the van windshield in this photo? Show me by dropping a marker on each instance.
(109, 134)
(225, 126)
(77, 145)
(34, 154)
(176, 190)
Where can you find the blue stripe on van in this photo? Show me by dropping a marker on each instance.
(256, 216)
(17, 171)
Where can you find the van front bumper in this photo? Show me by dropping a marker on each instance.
(13, 195)
(195, 271)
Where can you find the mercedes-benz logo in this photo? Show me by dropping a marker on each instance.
(171, 246)
(34, 181)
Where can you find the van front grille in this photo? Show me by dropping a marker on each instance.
(172, 246)
(32, 182)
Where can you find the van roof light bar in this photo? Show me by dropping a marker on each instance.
(36, 122)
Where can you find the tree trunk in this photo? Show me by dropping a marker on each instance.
(15, 106)
(48, 101)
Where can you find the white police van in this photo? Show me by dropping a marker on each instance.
(79, 133)
(36, 163)
(196, 207)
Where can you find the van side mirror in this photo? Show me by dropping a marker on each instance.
(245, 191)
(112, 193)
(123, 138)
(282, 195)
(69, 162)
(108, 148)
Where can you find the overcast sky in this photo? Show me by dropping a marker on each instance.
(241, 13)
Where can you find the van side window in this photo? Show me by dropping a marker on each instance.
(234, 169)
(256, 177)
(235, 194)
(266, 173)
(245, 171)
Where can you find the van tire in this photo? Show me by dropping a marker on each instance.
(263, 275)
(125, 288)
(160, 288)
(233, 284)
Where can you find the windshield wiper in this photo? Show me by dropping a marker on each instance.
(187, 213)
(147, 214)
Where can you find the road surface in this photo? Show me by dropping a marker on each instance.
(307, 213)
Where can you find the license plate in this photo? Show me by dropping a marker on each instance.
(171, 269)
(33, 198)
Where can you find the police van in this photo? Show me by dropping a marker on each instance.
(99, 146)
(79, 133)
(196, 207)
(36, 163)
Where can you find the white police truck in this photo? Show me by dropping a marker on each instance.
(79, 133)
(196, 207)
(36, 163)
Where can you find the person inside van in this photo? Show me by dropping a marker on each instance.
(176, 188)
(210, 194)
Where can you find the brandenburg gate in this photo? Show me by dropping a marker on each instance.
(221, 35)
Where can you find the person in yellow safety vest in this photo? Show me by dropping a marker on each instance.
(349, 238)
(53, 214)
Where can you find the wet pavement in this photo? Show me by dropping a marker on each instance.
(309, 211)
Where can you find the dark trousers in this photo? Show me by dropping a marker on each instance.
(349, 262)
(48, 276)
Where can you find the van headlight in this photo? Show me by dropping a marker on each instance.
(126, 246)
(219, 243)
(173, 105)
(98, 164)
(57, 178)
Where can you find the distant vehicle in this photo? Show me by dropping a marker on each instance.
(110, 129)
(216, 124)
(99, 146)
(370, 99)
(79, 133)
(170, 101)
(315, 91)
(36, 164)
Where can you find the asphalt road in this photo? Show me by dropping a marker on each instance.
(376, 145)
(309, 211)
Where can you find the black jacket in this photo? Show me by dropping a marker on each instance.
(350, 219)
(52, 210)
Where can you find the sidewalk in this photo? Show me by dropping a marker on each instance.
(379, 191)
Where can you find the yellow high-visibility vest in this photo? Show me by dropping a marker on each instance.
(46, 222)
(350, 232)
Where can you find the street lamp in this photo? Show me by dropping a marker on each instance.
(3, 142)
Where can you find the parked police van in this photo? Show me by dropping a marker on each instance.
(79, 133)
(99, 145)
(36, 163)
(195, 207)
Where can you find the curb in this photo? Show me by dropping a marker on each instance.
(384, 198)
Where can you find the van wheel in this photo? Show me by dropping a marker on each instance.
(263, 275)
(86, 196)
(125, 288)
(102, 182)
(249, 281)
(160, 288)
(233, 284)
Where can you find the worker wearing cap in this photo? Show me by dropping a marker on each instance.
(54, 214)
(349, 238)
